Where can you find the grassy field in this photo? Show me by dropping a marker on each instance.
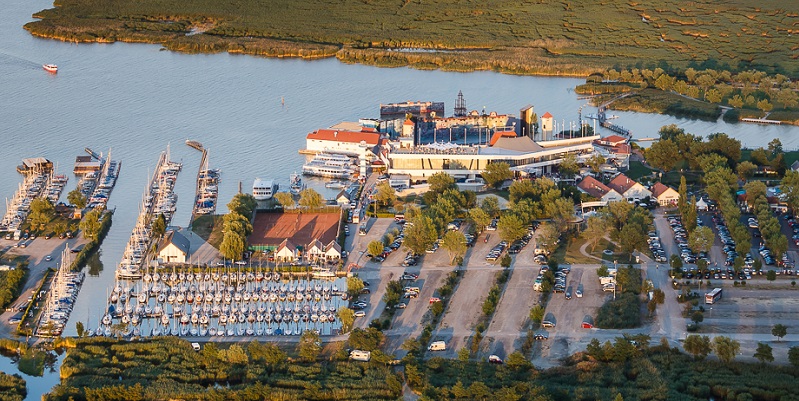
(541, 37)
(209, 228)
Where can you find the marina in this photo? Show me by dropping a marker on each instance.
(207, 189)
(159, 200)
(39, 181)
(202, 301)
(61, 298)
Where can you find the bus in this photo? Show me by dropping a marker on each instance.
(713, 296)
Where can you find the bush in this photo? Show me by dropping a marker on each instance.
(622, 313)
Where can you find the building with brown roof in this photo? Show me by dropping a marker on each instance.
(629, 188)
(591, 186)
(665, 195)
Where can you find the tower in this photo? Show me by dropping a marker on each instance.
(460, 106)
(547, 125)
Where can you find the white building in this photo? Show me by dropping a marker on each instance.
(628, 188)
(174, 248)
(363, 144)
(665, 195)
(522, 154)
(591, 186)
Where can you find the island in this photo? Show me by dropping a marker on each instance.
(531, 37)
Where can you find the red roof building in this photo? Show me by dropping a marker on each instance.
(593, 187)
(367, 135)
(501, 134)
(547, 115)
(628, 188)
(613, 140)
(364, 143)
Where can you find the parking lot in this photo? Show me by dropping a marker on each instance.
(36, 252)
(509, 323)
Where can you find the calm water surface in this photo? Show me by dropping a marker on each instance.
(136, 99)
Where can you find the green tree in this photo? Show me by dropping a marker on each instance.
(790, 187)
(779, 330)
(75, 197)
(421, 234)
(237, 223)
(354, 286)
(745, 170)
(463, 355)
(455, 244)
(243, 204)
(268, 353)
(393, 293)
(496, 173)
(602, 271)
(793, 356)
(347, 318)
(594, 162)
(437, 308)
(440, 182)
(480, 218)
(698, 346)
(311, 199)
(385, 195)
(285, 199)
(754, 190)
(159, 225)
(771, 275)
(697, 317)
(689, 218)
(232, 245)
(517, 361)
(726, 348)
(568, 166)
(490, 205)
(701, 239)
(41, 212)
(765, 105)
(548, 237)
(764, 353)
(596, 229)
(663, 155)
(511, 227)
(309, 346)
(90, 225)
(479, 391)
(60, 227)
(736, 101)
(619, 397)
(79, 328)
(375, 248)
(537, 314)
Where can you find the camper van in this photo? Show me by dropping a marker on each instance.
(358, 355)
(437, 346)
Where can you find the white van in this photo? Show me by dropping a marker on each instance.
(359, 355)
(412, 289)
(437, 346)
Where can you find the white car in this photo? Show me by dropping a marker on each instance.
(360, 313)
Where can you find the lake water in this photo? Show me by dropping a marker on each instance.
(136, 99)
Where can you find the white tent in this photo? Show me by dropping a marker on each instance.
(701, 204)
